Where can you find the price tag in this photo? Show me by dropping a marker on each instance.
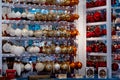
(62, 76)
(78, 76)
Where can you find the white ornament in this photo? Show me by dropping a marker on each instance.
(18, 68)
(30, 16)
(12, 32)
(30, 49)
(4, 67)
(36, 49)
(18, 50)
(18, 14)
(10, 15)
(22, 67)
(57, 66)
(38, 33)
(28, 67)
(24, 15)
(118, 28)
(57, 49)
(18, 32)
(7, 47)
(30, 33)
(4, 28)
(39, 66)
(25, 32)
(13, 14)
(8, 29)
(117, 20)
(12, 48)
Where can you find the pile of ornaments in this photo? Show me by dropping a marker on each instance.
(47, 66)
(96, 64)
(95, 31)
(96, 16)
(52, 49)
(19, 32)
(95, 3)
(9, 48)
(50, 16)
(45, 2)
(59, 33)
(96, 47)
(50, 66)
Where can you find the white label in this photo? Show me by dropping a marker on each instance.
(62, 76)
(78, 76)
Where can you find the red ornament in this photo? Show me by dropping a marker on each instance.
(88, 34)
(97, 49)
(89, 63)
(113, 17)
(97, 31)
(89, 49)
(104, 31)
(92, 34)
(97, 16)
(92, 3)
(88, 17)
(103, 16)
(113, 48)
(91, 18)
(88, 5)
(113, 32)
(104, 49)
(100, 3)
(118, 46)
(97, 3)
(115, 66)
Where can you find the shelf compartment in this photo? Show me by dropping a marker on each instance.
(8, 55)
(37, 6)
(33, 22)
(97, 54)
(34, 38)
(97, 8)
(95, 38)
(96, 23)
